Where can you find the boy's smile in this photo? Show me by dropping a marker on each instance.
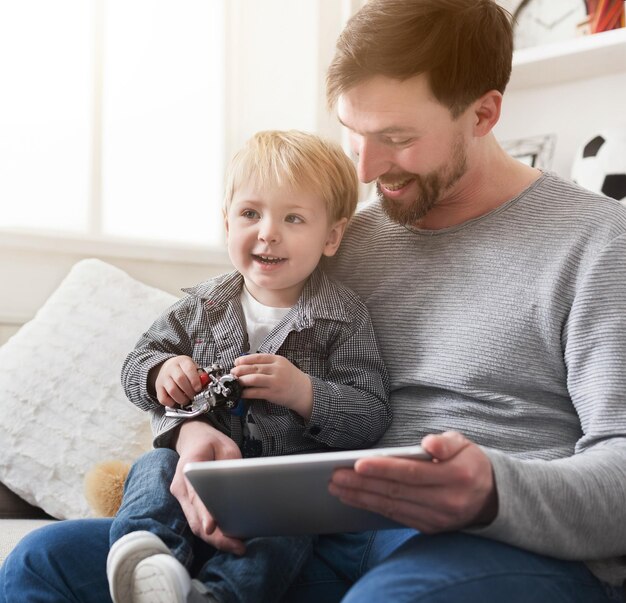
(267, 260)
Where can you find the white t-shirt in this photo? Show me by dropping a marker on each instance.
(260, 320)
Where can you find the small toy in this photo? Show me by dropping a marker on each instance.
(221, 391)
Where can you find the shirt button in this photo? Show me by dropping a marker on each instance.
(314, 430)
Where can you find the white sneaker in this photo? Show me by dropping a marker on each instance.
(124, 556)
(160, 579)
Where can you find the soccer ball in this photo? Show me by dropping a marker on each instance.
(600, 164)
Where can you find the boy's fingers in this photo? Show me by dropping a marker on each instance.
(254, 359)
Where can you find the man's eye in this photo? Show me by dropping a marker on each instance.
(292, 219)
(400, 143)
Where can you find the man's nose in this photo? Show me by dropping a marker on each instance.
(372, 161)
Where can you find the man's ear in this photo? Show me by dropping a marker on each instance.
(486, 112)
(335, 234)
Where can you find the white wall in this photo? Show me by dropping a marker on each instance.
(32, 267)
(574, 111)
(278, 53)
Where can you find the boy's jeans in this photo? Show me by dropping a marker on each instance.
(264, 573)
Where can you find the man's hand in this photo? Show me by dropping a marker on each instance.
(275, 379)
(453, 491)
(199, 441)
(176, 381)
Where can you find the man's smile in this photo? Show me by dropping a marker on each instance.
(394, 186)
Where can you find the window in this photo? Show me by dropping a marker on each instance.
(111, 118)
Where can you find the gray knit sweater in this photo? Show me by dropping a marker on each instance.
(511, 328)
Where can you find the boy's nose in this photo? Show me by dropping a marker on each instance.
(269, 231)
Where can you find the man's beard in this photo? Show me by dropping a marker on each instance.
(431, 187)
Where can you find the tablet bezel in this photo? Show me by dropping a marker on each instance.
(241, 494)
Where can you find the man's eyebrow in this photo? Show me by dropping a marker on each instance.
(384, 131)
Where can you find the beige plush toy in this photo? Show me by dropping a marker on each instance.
(104, 487)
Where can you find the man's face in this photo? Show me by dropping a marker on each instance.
(407, 142)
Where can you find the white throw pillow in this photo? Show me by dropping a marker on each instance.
(62, 406)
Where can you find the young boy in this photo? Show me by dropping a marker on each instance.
(301, 345)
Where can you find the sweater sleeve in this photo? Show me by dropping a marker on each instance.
(166, 338)
(573, 508)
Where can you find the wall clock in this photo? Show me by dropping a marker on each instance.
(537, 22)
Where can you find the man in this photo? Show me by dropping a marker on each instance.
(498, 294)
(499, 298)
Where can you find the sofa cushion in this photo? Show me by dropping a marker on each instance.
(62, 406)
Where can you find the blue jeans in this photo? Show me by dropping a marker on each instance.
(263, 574)
(65, 562)
(403, 566)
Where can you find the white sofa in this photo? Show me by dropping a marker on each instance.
(63, 409)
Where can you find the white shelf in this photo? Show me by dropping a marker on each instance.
(580, 58)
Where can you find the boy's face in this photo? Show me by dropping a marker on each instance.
(276, 239)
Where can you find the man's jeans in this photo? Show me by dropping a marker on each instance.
(66, 562)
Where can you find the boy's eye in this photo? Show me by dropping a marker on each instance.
(251, 214)
(293, 219)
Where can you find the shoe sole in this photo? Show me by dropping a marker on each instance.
(132, 551)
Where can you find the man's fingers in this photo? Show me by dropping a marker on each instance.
(444, 494)
(408, 513)
(406, 471)
(226, 543)
(445, 445)
(349, 480)
(179, 490)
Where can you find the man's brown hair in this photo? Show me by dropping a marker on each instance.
(464, 47)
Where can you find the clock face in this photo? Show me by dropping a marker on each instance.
(544, 21)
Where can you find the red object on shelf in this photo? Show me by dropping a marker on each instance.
(605, 14)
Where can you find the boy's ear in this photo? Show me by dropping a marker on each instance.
(334, 237)
(225, 216)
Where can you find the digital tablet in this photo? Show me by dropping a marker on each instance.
(285, 495)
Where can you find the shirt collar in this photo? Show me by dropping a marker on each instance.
(320, 298)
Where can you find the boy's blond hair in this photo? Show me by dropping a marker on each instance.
(300, 161)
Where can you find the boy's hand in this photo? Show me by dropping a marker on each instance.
(275, 379)
(177, 381)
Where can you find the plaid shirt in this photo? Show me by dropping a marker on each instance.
(327, 334)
